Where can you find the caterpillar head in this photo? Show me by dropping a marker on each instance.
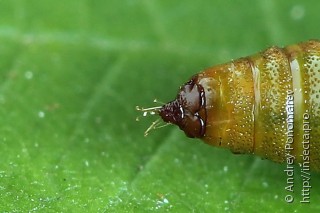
(188, 110)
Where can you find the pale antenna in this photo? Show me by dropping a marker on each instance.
(152, 111)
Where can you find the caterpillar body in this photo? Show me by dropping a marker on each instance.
(267, 104)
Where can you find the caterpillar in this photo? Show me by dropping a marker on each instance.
(266, 104)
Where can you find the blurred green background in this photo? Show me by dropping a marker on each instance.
(71, 75)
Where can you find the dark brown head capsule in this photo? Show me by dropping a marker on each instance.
(188, 110)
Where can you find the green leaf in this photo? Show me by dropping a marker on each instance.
(71, 75)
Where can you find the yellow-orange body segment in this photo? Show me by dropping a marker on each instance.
(267, 104)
